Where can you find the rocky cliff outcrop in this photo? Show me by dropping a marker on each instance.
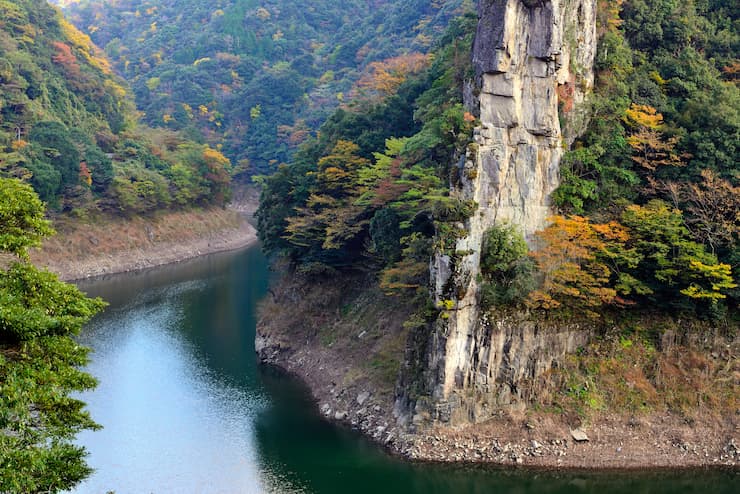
(533, 62)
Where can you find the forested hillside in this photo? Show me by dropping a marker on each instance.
(68, 126)
(657, 174)
(257, 77)
(649, 198)
(374, 186)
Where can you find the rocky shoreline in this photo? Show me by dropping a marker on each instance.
(527, 439)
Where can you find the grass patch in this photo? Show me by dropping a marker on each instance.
(626, 373)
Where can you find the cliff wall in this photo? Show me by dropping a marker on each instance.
(534, 66)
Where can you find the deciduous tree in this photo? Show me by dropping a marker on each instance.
(572, 263)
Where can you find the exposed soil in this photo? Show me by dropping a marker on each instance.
(330, 335)
(345, 340)
(115, 245)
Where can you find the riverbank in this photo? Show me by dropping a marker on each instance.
(83, 249)
(346, 342)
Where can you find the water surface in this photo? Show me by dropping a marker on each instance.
(186, 409)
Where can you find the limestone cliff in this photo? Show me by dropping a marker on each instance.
(533, 62)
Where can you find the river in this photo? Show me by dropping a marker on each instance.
(185, 408)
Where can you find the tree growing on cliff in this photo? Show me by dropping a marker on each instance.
(39, 361)
(506, 269)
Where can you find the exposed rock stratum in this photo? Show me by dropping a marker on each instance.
(534, 67)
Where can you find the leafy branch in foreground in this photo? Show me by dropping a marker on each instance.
(39, 361)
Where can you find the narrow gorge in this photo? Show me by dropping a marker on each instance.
(479, 233)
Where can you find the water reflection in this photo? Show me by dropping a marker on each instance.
(175, 366)
(186, 409)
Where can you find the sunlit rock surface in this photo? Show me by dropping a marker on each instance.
(534, 65)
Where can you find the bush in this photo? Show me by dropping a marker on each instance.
(512, 289)
(506, 270)
(503, 245)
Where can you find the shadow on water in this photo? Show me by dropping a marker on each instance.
(186, 408)
(334, 459)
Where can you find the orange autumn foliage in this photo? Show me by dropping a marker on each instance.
(85, 175)
(66, 59)
(385, 77)
(573, 264)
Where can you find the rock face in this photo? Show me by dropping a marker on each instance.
(533, 62)
(530, 56)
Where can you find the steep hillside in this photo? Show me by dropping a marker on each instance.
(575, 191)
(255, 76)
(463, 161)
(52, 73)
(68, 126)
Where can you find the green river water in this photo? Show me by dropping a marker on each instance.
(186, 408)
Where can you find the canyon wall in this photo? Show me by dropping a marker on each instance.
(534, 67)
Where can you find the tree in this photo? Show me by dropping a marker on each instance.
(22, 223)
(713, 209)
(651, 149)
(39, 361)
(671, 261)
(67, 60)
(411, 273)
(331, 217)
(383, 78)
(101, 168)
(505, 267)
(386, 234)
(573, 266)
(503, 245)
(56, 146)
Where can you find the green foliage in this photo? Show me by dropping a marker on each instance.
(506, 270)
(503, 246)
(38, 417)
(578, 185)
(39, 361)
(383, 197)
(46, 181)
(385, 233)
(137, 190)
(511, 288)
(677, 58)
(53, 79)
(100, 166)
(67, 127)
(255, 77)
(22, 223)
(55, 146)
(411, 273)
(36, 304)
(672, 262)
